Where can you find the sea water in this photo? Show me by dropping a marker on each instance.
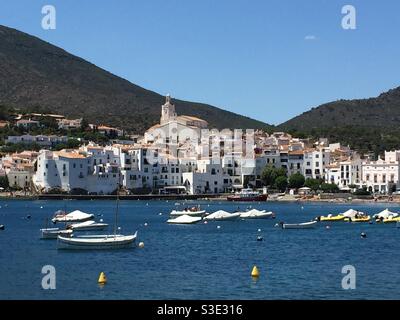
(202, 261)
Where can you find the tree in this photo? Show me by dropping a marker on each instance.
(270, 174)
(329, 187)
(362, 192)
(296, 180)
(4, 182)
(84, 124)
(281, 183)
(314, 184)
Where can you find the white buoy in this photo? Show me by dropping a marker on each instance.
(141, 244)
(276, 224)
(160, 214)
(205, 222)
(41, 207)
(218, 227)
(259, 230)
(101, 220)
(145, 224)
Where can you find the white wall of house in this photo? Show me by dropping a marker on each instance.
(19, 179)
(379, 175)
(68, 173)
(208, 178)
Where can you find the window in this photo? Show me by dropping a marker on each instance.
(74, 165)
(47, 165)
(317, 164)
(375, 178)
(213, 171)
(384, 178)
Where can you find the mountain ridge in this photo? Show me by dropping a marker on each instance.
(382, 110)
(35, 74)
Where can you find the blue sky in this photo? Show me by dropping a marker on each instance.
(249, 57)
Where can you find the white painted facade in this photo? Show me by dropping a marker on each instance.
(72, 170)
(379, 176)
(208, 178)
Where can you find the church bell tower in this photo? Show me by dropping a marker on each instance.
(167, 111)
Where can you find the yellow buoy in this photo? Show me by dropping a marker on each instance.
(102, 278)
(255, 273)
(141, 244)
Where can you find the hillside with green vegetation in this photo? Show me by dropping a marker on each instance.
(40, 77)
(364, 124)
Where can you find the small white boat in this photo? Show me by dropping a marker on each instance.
(194, 212)
(304, 225)
(222, 215)
(74, 216)
(88, 226)
(53, 233)
(256, 214)
(96, 242)
(185, 219)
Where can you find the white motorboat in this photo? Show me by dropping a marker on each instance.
(53, 233)
(185, 219)
(257, 214)
(221, 215)
(194, 212)
(74, 216)
(88, 226)
(304, 225)
(96, 242)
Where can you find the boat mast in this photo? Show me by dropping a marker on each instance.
(116, 212)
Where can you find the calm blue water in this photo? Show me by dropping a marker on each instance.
(201, 261)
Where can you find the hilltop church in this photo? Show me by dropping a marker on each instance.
(174, 128)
